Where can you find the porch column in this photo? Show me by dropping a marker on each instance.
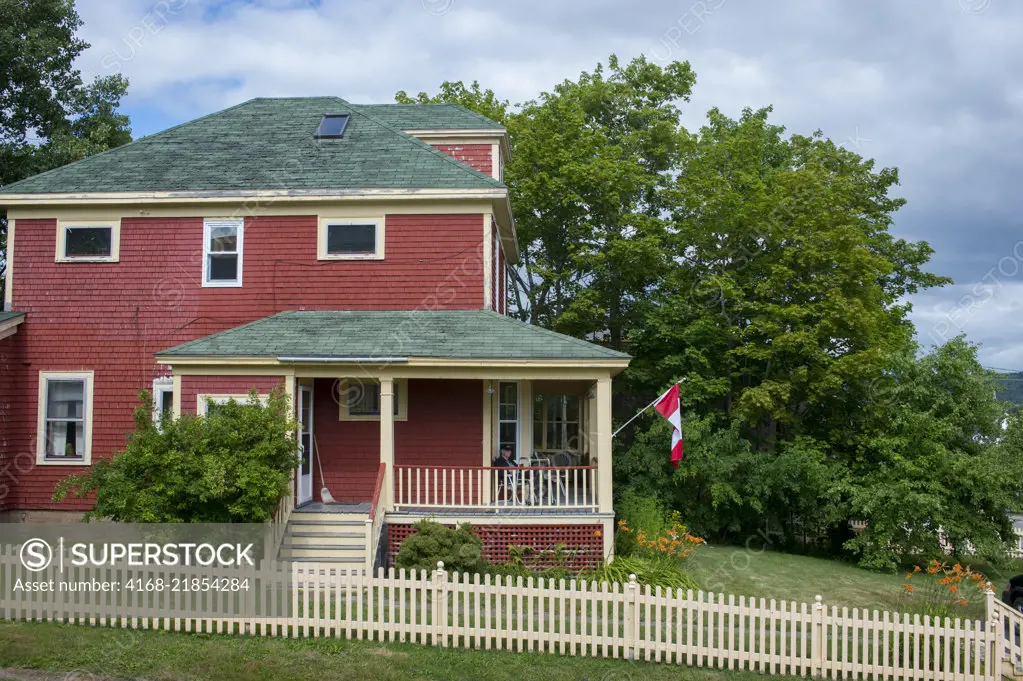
(602, 428)
(387, 440)
(488, 437)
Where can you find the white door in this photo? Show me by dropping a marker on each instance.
(305, 443)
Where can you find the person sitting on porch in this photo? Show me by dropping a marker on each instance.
(504, 459)
(506, 482)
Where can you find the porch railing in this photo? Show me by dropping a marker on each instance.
(488, 487)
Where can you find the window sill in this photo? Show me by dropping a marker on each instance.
(63, 462)
(88, 259)
(368, 256)
(349, 417)
(222, 284)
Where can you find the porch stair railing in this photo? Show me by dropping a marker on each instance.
(374, 522)
(279, 522)
(533, 488)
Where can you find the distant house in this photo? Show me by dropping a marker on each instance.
(357, 255)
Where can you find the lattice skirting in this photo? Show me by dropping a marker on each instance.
(584, 544)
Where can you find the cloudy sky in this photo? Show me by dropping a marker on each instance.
(933, 87)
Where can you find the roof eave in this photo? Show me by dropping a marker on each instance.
(184, 197)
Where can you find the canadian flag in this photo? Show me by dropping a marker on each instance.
(668, 406)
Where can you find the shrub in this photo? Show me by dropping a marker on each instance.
(641, 513)
(663, 572)
(459, 548)
(941, 590)
(230, 466)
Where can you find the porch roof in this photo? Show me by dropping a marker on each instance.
(9, 322)
(390, 336)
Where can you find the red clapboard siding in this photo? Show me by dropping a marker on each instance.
(476, 155)
(111, 317)
(584, 545)
(193, 386)
(444, 428)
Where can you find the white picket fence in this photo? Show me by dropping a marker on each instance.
(565, 618)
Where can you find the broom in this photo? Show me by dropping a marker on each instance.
(325, 494)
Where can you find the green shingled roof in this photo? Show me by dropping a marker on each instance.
(270, 144)
(429, 117)
(8, 316)
(449, 334)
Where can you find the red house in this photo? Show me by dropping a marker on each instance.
(357, 255)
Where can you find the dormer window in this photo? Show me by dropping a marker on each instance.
(332, 126)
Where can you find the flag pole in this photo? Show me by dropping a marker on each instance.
(638, 413)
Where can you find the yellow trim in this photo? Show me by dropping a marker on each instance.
(177, 396)
(115, 240)
(89, 377)
(480, 136)
(334, 209)
(488, 261)
(387, 419)
(488, 425)
(603, 433)
(505, 373)
(324, 221)
(343, 407)
(295, 195)
(9, 273)
(202, 400)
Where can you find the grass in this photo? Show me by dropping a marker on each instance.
(782, 576)
(125, 654)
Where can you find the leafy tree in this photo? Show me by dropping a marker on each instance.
(588, 161)
(232, 465)
(48, 116)
(935, 456)
(483, 102)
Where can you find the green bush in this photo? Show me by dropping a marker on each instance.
(459, 548)
(643, 514)
(230, 466)
(663, 572)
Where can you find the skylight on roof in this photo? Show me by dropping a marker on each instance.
(332, 125)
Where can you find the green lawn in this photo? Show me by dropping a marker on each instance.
(783, 576)
(110, 653)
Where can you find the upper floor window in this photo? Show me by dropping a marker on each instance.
(88, 241)
(65, 418)
(222, 252)
(351, 239)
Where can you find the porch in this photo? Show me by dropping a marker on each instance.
(439, 451)
(406, 413)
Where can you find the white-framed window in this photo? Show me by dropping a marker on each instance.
(163, 398)
(508, 430)
(222, 252)
(88, 241)
(350, 238)
(205, 402)
(556, 422)
(360, 399)
(65, 418)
